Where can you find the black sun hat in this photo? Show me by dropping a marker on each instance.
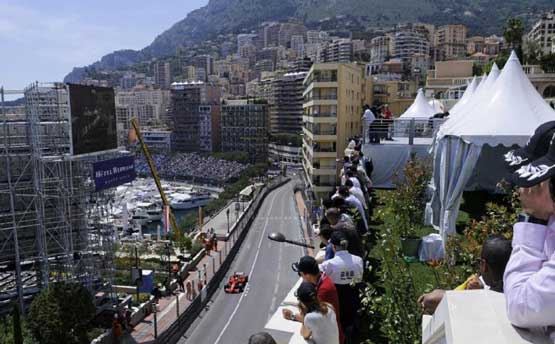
(307, 265)
(306, 292)
(539, 170)
(535, 148)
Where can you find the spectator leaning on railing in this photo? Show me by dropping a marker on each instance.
(308, 270)
(345, 270)
(495, 254)
(319, 320)
(530, 275)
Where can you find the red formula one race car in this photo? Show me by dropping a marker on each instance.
(237, 283)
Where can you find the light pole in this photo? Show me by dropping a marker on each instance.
(169, 261)
(227, 213)
(237, 208)
(279, 237)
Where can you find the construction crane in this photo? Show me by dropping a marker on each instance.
(150, 163)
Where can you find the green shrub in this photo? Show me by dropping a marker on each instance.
(61, 314)
(196, 247)
(407, 202)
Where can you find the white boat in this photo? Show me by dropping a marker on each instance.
(151, 210)
(140, 218)
(181, 201)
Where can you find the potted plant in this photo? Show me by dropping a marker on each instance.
(410, 243)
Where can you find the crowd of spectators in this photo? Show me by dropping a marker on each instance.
(189, 166)
(523, 269)
(329, 296)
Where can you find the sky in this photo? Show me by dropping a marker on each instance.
(42, 40)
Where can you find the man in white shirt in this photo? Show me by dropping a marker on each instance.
(352, 201)
(367, 119)
(529, 280)
(351, 175)
(345, 269)
(356, 192)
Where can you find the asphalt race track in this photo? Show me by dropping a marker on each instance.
(232, 318)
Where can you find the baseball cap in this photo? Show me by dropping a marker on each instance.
(539, 170)
(535, 148)
(337, 237)
(306, 292)
(307, 265)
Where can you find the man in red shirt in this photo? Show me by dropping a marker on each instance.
(307, 268)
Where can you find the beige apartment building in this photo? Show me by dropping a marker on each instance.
(449, 77)
(450, 41)
(334, 94)
(397, 94)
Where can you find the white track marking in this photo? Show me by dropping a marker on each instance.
(252, 268)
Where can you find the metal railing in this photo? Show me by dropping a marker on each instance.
(323, 131)
(399, 128)
(321, 114)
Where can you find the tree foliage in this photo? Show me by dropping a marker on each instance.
(408, 200)
(513, 32)
(61, 314)
(17, 332)
(8, 327)
(547, 62)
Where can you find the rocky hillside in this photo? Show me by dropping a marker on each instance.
(233, 16)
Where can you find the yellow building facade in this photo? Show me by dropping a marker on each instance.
(334, 96)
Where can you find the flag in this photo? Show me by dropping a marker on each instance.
(167, 219)
(200, 216)
(132, 137)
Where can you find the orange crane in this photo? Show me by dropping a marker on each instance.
(148, 158)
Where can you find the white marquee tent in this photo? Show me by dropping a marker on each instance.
(506, 115)
(437, 105)
(470, 89)
(476, 99)
(420, 108)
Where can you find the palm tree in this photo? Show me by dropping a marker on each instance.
(514, 30)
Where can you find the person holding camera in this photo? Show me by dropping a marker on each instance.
(529, 279)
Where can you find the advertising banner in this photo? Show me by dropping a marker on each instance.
(113, 172)
(93, 119)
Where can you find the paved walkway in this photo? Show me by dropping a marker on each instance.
(219, 222)
(301, 207)
(167, 310)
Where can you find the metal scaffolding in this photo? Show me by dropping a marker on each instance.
(51, 225)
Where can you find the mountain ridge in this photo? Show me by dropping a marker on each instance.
(234, 16)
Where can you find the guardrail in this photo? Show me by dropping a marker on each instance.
(239, 231)
(411, 128)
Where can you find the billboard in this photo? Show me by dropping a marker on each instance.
(93, 119)
(113, 172)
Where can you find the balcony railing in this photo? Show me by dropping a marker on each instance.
(318, 149)
(322, 114)
(322, 79)
(320, 97)
(399, 128)
(322, 131)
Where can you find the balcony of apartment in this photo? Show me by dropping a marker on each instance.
(321, 83)
(318, 133)
(320, 100)
(324, 151)
(322, 117)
